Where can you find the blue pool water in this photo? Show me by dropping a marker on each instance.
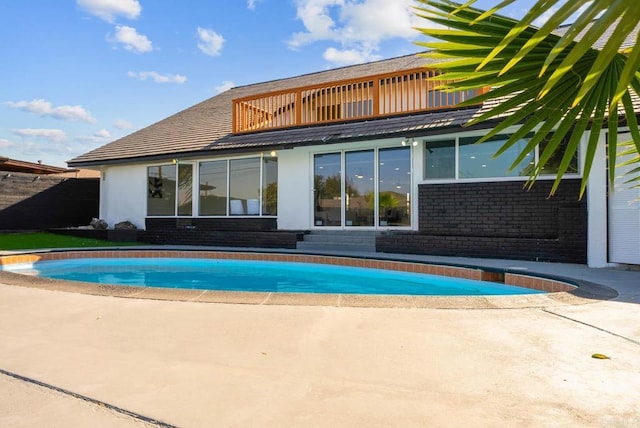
(267, 276)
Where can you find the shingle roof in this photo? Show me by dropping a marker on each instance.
(206, 127)
(198, 128)
(629, 42)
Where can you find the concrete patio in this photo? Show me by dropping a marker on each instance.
(208, 364)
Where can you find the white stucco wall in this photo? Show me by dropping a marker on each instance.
(596, 195)
(123, 194)
(295, 197)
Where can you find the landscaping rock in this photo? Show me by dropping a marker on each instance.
(125, 225)
(99, 224)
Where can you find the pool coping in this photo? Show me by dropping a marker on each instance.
(560, 290)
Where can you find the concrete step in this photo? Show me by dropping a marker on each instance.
(337, 247)
(339, 240)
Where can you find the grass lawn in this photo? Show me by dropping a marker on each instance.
(29, 241)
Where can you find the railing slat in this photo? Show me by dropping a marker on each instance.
(375, 96)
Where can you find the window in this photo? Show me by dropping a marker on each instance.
(373, 190)
(270, 186)
(462, 158)
(161, 195)
(477, 161)
(327, 189)
(394, 187)
(247, 186)
(244, 186)
(237, 187)
(552, 165)
(440, 159)
(359, 188)
(213, 188)
(185, 189)
(164, 192)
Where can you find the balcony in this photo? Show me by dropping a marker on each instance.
(357, 99)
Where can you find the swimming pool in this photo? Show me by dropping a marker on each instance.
(258, 275)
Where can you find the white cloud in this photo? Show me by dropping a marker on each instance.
(251, 4)
(55, 135)
(108, 10)
(317, 20)
(358, 26)
(5, 144)
(45, 108)
(348, 56)
(210, 43)
(98, 137)
(122, 124)
(157, 77)
(103, 133)
(224, 86)
(131, 40)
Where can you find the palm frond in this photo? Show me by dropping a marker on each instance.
(558, 86)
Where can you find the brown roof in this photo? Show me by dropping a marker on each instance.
(198, 127)
(206, 127)
(14, 165)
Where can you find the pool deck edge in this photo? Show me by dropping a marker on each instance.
(584, 293)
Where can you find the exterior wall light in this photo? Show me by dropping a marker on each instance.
(409, 142)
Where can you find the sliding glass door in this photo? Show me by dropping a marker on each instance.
(394, 187)
(360, 188)
(363, 188)
(327, 182)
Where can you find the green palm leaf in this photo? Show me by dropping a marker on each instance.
(556, 85)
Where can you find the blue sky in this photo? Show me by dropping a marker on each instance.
(77, 74)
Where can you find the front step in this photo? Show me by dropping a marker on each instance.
(339, 240)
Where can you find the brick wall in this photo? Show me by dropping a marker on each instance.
(209, 224)
(498, 219)
(231, 232)
(33, 202)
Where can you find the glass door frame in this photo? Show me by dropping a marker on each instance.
(376, 189)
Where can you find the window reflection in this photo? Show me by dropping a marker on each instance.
(161, 194)
(327, 186)
(213, 188)
(394, 197)
(244, 186)
(185, 189)
(270, 186)
(359, 188)
(440, 159)
(477, 161)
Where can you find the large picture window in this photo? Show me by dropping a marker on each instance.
(239, 187)
(229, 187)
(463, 158)
(477, 161)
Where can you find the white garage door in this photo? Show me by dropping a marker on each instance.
(624, 218)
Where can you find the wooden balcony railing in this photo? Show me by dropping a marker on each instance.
(370, 97)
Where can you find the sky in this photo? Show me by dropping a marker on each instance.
(77, 74)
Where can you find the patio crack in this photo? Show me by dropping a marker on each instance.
(99, 403)
(635, 342)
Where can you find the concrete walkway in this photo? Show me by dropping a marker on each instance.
(107, 361)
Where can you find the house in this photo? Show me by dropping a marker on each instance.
(372, 147)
